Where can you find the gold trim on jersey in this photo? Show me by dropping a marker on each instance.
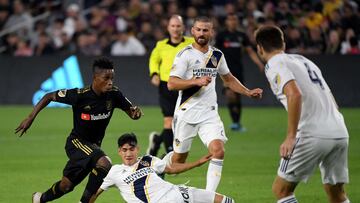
(190, 98)
(83, 90)
(87, 150)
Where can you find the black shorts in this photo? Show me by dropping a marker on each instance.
(83, 156)
(167, 99)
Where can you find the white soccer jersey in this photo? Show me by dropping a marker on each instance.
(196, 104)
(319, 114)
(139, 182)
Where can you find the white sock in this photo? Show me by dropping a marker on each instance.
(227, 200)
(214, 174)
(288, 199)
(346, 201)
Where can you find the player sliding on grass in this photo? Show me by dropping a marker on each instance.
(138, 181)
(316, 134)
(92, 107)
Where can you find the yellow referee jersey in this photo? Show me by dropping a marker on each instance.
(162, 56)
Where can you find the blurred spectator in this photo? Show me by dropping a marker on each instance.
(12, 40)
(88, 45)
(44, 46)
(127, 45)
(74, 22)
(354, 46)
(146, 36)
(345, 45)
(122, 19)
(40, 27)
(350, 19)
(294, 42)
(20, 15)
(101, 20)
(316, 43)
(4, 14)
(23, 49)
(56, 30)
(333, 45)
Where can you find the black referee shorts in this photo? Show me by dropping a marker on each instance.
(167, 99)
(83, 156)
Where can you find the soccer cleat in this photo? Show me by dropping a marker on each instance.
(237, 127)
(154, 144)
(36, 197)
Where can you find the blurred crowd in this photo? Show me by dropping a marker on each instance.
(132, 27)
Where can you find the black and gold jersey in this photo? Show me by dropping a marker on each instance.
(91, 112)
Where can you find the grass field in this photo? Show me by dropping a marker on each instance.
(35, 161)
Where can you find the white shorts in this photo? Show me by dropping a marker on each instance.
(208, 130)
(184, 194)
(309, 152)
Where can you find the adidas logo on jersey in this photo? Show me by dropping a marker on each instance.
(197, 62)
(65, 77)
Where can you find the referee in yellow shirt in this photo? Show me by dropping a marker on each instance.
(161, 60)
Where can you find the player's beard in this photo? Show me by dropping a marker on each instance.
(201, 40)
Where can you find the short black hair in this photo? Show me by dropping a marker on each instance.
(102, 63)
(127, 138)
(204, 19)
(269, 37)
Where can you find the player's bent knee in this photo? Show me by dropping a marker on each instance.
(104, 163)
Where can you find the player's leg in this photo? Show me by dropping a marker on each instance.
(167, 134)
(196, 195)
(184, 133)
(284, 190)
(212, 134)
(234, 106)
(96, 177)
(334, 170)
(336, 193)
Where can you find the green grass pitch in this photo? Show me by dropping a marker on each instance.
(35, 161)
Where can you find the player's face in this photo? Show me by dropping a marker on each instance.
(231, 22)
(128, 154)
(103, 80)
(202, 32)
(175, 28)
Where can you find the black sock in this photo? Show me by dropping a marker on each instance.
(235, 110)
(168, 137)
(96, 178)
(53, 193)
(157, 144)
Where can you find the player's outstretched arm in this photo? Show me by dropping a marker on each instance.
(234, 84)
(134, 112)
(26, 123)
(175, 168)
(176, 83)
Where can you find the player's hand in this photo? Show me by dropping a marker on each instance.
(24, 125)
(135, 112)
(255, 93)
(204, 159)
(286, 148)
(203, 81)
(155, 80)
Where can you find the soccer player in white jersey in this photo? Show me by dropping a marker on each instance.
(316, 132)
(194, 73)
(138, 181)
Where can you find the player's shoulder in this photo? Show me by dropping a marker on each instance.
(184, 51)
(162, 42)
(214, 49)
(83, 90)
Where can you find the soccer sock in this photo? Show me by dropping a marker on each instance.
(53, 193)
(288, 199)
(96, 178)
(346, 201)
(235, 109)
(214, 174)
(168, 138)
(227, 200)
(158, 139)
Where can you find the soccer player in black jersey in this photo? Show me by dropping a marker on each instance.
(92, 108)
(232, 42)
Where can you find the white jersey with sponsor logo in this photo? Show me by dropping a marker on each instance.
(139, 182)
(319, 114)
(196, 104)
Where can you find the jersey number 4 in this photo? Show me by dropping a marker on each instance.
(313, 76)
